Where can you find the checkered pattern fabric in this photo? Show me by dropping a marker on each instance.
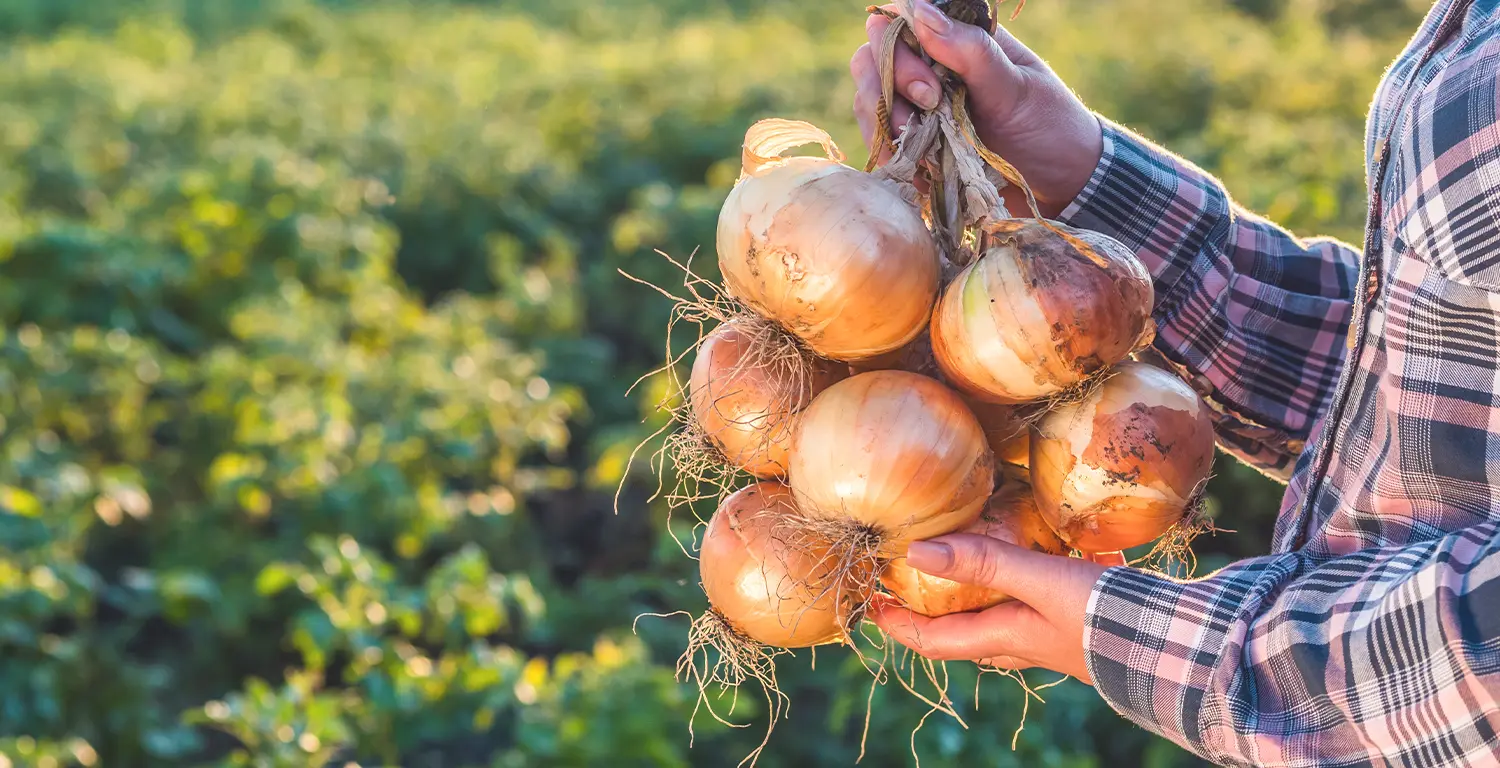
(1370, 379)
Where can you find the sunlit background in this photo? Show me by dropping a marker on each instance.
(313, 359)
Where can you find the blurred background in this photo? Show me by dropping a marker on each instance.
(313, 360)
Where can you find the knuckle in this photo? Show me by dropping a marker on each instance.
(860, 62)
(910, 69)
(976, 52)
(989, 53)
(862, 103)
(978, 564)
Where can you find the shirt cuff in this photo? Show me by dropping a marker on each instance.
(1081, 208)
(1147, 660)
(1170, 214)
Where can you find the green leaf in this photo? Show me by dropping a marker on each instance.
(274, 578)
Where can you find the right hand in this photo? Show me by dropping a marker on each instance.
(1021, 110)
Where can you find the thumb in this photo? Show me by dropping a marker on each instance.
(973, 54)
(1045, 582)
(979, 560)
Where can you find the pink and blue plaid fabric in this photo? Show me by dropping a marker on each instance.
(1370, 379)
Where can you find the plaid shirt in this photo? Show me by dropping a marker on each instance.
(1372, 636)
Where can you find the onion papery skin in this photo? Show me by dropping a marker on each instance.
(1035, 315)
(1004, 431)
(746, 403)
(834, 255)
(1121, 467)
(914, 357)
(893, 452)
(1011, 516)
(768, 588)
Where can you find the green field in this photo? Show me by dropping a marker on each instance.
(313, 361)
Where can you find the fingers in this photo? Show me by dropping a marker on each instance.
(1056, 586)
(982, 61)
(1014, 49)
(960, 636)
(867, 91)
(986, 562)
(867, 96)
(915, 79)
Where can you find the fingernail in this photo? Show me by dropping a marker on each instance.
(930, 556)
(933, 19)
(924, 95)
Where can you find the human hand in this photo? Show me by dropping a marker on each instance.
(1043, 627)
(1020, 108)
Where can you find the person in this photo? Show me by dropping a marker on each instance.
(1368, 378)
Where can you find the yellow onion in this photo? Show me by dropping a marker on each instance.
(1122, 466)
(893, 454)
(1010, 516)
(1004, 429)
(746, 394)
(834, 255)
(1040, 312)
(769, 586)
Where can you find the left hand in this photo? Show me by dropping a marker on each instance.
(1042, 627)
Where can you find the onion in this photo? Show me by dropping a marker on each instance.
(1004, 428)
(835, 256)
(892, 456)
(1040, 312)
(1010, 516)
(767, 588)
(1121, 467)
(746, 394)
(1005, 432)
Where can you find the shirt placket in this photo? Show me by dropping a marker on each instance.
(1368, 285)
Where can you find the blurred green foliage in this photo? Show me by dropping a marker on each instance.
(313, 359)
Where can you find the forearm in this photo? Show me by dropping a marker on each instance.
(1287, 661)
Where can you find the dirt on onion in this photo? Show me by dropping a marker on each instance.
(1124, 466)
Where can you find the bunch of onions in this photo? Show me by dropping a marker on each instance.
(1043, 309)
(838, 257)
(770, 586)
(873, 372)
(746, 393)
(1121, 467)
(1010, 516)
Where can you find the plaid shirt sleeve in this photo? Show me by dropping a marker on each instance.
(1253, 317)
(1384, 657)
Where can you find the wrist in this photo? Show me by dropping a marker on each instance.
(1079, 159)
(1091, 153)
